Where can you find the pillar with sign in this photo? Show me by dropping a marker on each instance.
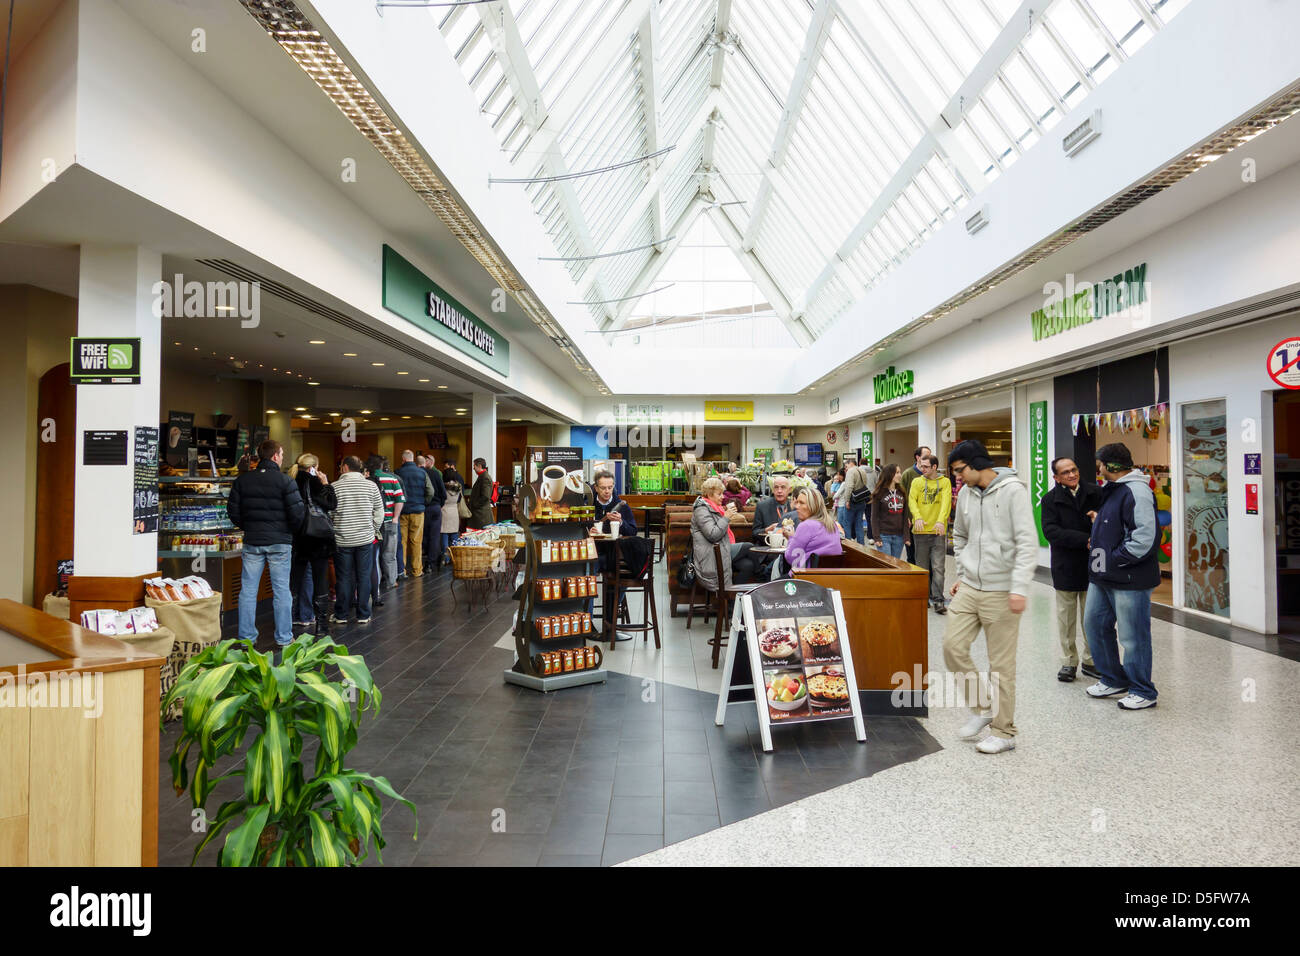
(116, 357)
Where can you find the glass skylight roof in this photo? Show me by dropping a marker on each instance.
(823, 141)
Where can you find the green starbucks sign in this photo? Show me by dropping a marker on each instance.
(1039, 480)
(408, 292)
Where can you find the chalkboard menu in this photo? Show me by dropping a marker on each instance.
(144, 515)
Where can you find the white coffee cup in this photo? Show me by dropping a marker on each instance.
(775, 539)
(553, 478)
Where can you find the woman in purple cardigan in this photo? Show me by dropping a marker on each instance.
(816, 533)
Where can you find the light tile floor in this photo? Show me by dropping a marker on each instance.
(1209, 777)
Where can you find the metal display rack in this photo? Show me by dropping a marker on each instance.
(529, 642)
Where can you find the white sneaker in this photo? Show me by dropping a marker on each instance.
(995, 745)
(973, 726)
(1105, 690)
(1134, 702)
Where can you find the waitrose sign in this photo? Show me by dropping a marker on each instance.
(889, 385)
(1070, 304)
(408, 292)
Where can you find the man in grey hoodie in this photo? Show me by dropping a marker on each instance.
(996, 546)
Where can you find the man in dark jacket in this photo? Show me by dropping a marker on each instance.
(266, 505)
(480, 496)
(1123, 569)
(419, 491)
(433, 514)
(1067, 521)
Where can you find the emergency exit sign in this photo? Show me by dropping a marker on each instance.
(105, 361)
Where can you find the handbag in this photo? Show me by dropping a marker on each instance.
(316, 523)
(462, 508)
(686, 573)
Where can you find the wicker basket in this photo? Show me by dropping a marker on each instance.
(508, 544)
(470, 562)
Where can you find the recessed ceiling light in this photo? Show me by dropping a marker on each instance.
(313, 383)
(176, 343)
(365, 411)
(462, 409)
(383, 419)
(406, 416)
(223, 308)
(336, 414)
(516, 419)
(300, 408)
(196, 348)
(403, 373)
(272, 411)
(442, 386)
(316, 342)
(460, 413)
(377, 364)
(428, 416)
(349, 354)
(424, 380)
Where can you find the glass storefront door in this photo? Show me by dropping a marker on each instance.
(1205, 505)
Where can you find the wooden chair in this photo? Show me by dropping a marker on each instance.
(656, 526)
(617, 585)
(722, 599)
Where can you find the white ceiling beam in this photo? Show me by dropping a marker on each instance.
(651, 93)
(650, 271)
(652, 191)
(1000, 50)
(761, 277)
(813, 43)
(721, 24)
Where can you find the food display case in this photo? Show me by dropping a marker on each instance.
(196, 536)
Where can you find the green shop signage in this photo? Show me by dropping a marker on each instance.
(1070, 304)
(868, 448)
(890, 385)
(408, 292)
(97, 361)
(1038, 463)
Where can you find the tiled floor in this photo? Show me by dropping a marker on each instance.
(585, 776)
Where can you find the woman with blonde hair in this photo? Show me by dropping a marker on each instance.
(710, 525)
(817, 532)
(313, 553)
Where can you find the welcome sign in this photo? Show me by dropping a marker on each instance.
(408, 292)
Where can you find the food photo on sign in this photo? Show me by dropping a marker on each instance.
(803, 668)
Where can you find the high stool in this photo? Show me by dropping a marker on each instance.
(722, 599)
(618, 584)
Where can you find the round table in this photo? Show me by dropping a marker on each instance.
(756, 549)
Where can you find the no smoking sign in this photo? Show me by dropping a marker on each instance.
(1284, 363)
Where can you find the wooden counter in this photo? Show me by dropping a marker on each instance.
(886, 609)
(78, 745)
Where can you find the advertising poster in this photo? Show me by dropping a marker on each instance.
(144, 508)
(798, 655)
(180, 435)
(1038, 464)
(558, 482)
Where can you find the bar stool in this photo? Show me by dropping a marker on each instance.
(722, 599)
(618, 584)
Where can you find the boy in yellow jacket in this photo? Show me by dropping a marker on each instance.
(929, 500)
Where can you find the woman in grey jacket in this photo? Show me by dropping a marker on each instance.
(710, 525)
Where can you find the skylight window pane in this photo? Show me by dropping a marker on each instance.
(884, 32)
(1027, 88)
(1050, 62)
(922, 52)
(1117, 16)
(1137, 40)
(1004, 108)
(1169, 9)
(1077, 34)
(950, 35)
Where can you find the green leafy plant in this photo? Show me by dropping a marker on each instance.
(782, 466)
(749, 476)
(284, 818)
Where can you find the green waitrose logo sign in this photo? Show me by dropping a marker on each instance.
(408, 292)
(1072, 304)
(890, 385)
(868, 448)
(1038, 463)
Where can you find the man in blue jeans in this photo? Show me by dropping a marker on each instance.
(266, 504)
(357, 519)
(1123, 569)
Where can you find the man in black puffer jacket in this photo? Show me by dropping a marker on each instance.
(1067, 521)
(266, 504)
(1123, 569)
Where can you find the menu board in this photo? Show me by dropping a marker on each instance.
(798, 643)
(180, 436)
(144, 508)
(558, 481)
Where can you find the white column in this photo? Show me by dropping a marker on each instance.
(927, 427)
(483, 434)
(115, 299)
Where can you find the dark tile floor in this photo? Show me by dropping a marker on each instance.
(590, 775)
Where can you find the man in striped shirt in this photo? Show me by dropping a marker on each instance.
(390, 486)
(358, 519)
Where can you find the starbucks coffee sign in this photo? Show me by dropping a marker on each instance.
(415, 297)
(889, 384)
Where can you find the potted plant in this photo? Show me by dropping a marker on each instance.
(782, 466)
(284, 817)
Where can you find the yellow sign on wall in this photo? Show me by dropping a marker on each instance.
(728, 411)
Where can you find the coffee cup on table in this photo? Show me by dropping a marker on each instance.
(775, 539)
(553, 479)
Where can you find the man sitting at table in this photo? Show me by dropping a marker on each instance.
(770, 514)
(611, 506)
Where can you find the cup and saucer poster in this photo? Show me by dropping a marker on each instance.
(558, 483)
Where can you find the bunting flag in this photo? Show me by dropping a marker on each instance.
(1074, 424)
